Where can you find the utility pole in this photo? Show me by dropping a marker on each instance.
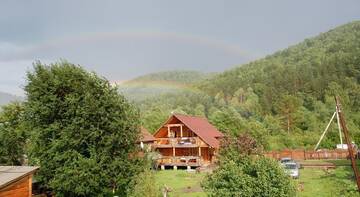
(348, 142)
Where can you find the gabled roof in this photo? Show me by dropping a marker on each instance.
(146, 136)
(201, 126)
(11, 174)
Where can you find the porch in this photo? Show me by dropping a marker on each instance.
(191, 161)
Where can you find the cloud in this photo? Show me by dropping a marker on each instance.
(12, 76)
(123, 55)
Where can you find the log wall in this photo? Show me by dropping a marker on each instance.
(20, 188)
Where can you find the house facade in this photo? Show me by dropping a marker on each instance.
(16, 181)
(187, 141)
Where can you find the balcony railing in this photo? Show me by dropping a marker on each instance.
(177, 142)
(180, 161)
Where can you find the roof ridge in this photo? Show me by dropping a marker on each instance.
(194, 116)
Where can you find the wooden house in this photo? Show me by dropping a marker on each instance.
(16, 181)
(187, 141)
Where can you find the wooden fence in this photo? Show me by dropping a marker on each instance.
(308, 154)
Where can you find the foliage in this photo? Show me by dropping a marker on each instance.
(144, 185)
(12, 134)
(83, 131)
(241, 173)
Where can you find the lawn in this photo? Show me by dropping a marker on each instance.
(319, 182)
(315, 182)
(181, 182)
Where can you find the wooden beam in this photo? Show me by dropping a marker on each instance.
(181, 131)
(199, 151)
(168, 131)
(348, 142)
(173, 125)
(30, 185)
(173, 151)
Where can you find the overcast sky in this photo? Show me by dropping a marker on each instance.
(124, 39)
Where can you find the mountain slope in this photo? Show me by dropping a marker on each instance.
(6, 98)
(313, 67)
(153, 84)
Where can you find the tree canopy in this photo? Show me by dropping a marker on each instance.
(83, 132)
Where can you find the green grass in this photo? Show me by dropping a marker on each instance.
(316, 182)
(339, 162)
(181, 182)
(343, 162)
(322, 183)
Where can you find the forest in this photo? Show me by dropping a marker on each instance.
(284, 100)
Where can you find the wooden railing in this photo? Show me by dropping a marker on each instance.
(177, 142)
(308, 154)
(180, 160)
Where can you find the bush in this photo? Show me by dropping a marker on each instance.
(145, 185)
(242, 172)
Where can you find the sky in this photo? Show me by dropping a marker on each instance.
(124, 39)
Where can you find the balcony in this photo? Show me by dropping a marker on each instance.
(181, 142)
(180, 161)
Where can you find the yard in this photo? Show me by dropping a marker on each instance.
(312, 182)
(181, 182)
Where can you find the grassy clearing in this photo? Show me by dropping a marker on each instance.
(335, 182)
(319, 182)
(315, 182)
(181, 182)
(339, 162)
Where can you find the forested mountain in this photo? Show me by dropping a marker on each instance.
(284, 99)
(181, 77)
(6, 98)
(150, 85)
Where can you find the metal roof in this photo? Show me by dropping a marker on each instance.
(201, 126)
(11, 174)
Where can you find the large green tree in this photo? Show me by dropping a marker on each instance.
(83, 131)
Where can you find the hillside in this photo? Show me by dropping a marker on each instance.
(309, 67)
(6, 98)
(284, 99)
(153, 84)
(180, 77)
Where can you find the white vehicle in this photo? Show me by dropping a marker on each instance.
(345, 146)
(292, 169)
(286, 160)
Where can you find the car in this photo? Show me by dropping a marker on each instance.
(292, 169)
(286, 160)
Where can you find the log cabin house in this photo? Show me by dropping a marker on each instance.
(16, 181)
(187, 141)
